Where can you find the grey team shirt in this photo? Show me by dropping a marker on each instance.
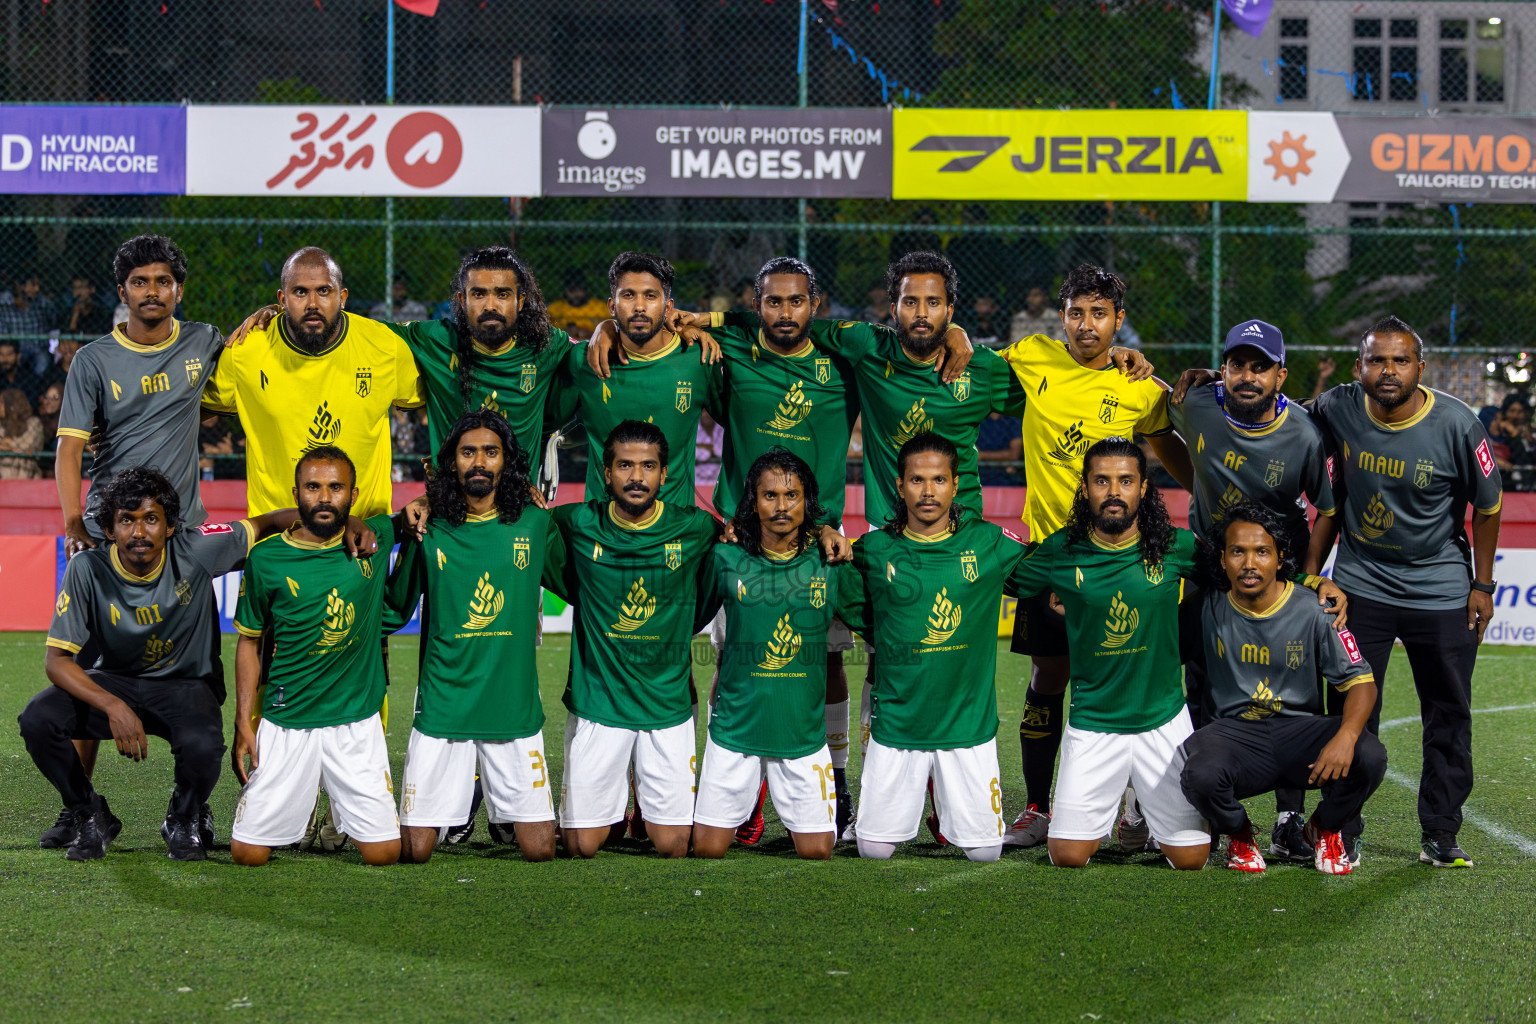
(1276, 464)
(161, 626)
(1274, 664)
(1405, 489)
(145, 400)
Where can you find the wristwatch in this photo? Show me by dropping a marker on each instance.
(1486, 588)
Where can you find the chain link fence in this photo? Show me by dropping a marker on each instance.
(1322, 272)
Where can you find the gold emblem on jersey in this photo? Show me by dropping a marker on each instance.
(818, 595)
(890, 572)
(794, 407)
(1262, 704)
(943, 620)
(597, 551)
(1078, 576)
(117, 390)
(194, 369)
(1423, 472)
(782, 648)
(674, 554)
(521, 549)
(156, 650)
(823, 370)
(339, 615)
(1154, 572)
(1121, 624)
(1107, 408)
(442, 559)
(365, 566)
(525, 382)
(1273, 473)
(1294, 651)
(1229, 498)
(741, 590)
(324, 429)
(489, 402)
(115, 615)
(606, 394)
(408, 799)
(1069, 447)
(913, 423)
(1377, 520)
(183, 592)
(968, 566)
(485, 605)
(889, 369)
(638, 606)
(684, 395)
(962, 386)
(364, 382)
(63, 604)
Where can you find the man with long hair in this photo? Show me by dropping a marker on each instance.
(777, 592)
(477, 697)
(1264, 703)
(1116, 567)
(925, 590)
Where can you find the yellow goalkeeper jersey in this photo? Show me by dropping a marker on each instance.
(290, 401)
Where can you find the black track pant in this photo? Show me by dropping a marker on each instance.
(182, 712)
(1233, 759)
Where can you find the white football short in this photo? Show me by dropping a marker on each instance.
(839, 636)
(595, 789)
(350, 761)
(803, 789)
(966, 793)
(1095, 767)
(437, 785)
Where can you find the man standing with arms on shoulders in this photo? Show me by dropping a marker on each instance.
(1410, 460)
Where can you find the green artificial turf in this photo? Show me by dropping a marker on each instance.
(479, 935)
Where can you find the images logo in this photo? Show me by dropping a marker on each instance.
(597, 139)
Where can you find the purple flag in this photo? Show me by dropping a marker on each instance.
(1249, 15)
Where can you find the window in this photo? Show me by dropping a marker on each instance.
(1472, 61)
(1293, 59)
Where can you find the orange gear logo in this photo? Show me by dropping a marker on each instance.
(1295, 166)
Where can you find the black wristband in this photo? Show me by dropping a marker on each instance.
(1485, 588)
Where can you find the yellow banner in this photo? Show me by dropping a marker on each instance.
(1070, 154)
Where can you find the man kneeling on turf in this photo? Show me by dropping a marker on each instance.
(320, 713)
(143, 605)
(477, 698)
(1267, 653)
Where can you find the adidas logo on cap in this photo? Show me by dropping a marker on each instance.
(1253, 330)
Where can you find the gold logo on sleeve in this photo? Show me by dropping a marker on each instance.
(1377, 520)
(793, 409)
(339, 616)
(63, 605)
(1121, 624)
(782, 648)
(485, 605)
(943, 620)
(639, 605)
(913, 423)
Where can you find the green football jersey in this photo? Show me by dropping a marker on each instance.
(900, 397)
(805, 401)
(1122, 626)
(512, 381)
(669, 388)
(930, 608)
(325, 611)
(479, 678)
(635, 591)
(771, 694)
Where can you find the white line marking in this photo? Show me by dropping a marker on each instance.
(1492, 828)
(975, 873)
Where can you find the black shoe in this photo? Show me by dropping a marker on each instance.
(456, 834)
(93, 831)
(183, 839)
(1440, 851)
(1352, 845)
(62, 832)
(501, 832)
(844, 808)
(205, 827)
(1288, 840)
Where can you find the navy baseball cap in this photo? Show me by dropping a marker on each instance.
(1262, 336)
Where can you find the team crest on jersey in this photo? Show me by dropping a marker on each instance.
(794, 407)
(485, 605)
(1273, 473)
(913, 423)
(684, 396)
(365, 566)
(674, 554)
(943, 619)
(1422, 472)
(339, 616)
(364, 381)
(1378, 519)
(194, 372)
(530, 372)
(1121, 624)
(638, 606)
(183, 592)
(1069, 447)
(1154, 572)
(520, 552)
(1294, 651)
(1107, 408)
(968, 566)
(818, 595)
(962, 386)
(823, 370)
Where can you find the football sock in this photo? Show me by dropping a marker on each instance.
(837, 734)
(983, 854)
(1040, 738)
(871, 850)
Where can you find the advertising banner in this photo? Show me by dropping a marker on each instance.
(1439, 159)
(362, 151)
(787, 152)
(93, 150)
(1514, 603)
(1071, 154)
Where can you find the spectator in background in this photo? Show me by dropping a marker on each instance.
(981, 258)
(1512, 444)
(13, 374)
(214, 438)
(87, 315)
(708, 450)
(20, 431)
(402, 440)
(1325, 368)
(856, 453)
(401, 309)
(1000, 439)
(746, 296)
(879, 309)
(1037, 317)
(577, 312)
(987, 326)
(920, 236)
(30, 314)
(48, 405)
(64, 357)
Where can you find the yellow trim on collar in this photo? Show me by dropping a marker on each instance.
(1130, 541)
(309, 545)
(799, 353)
(661, 353)
(1268, 428)
(483, 517)
(1285, 595)
(644, 524)
(787, 556)
(122, 570)
(486, 350)
(1429, 403)
(120, 335)
(906, 531)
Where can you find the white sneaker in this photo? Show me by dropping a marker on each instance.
(850, 834)
(1132, 832)
(1029, 828)
(330, 838)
